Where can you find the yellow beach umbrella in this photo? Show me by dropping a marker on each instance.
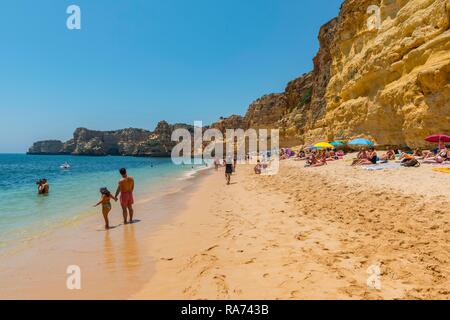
(324, 145)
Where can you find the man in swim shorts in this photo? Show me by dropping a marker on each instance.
(125, 189)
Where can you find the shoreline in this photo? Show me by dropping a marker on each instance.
(112, 262)
(17, 237)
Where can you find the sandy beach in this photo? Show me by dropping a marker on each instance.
(307, 233)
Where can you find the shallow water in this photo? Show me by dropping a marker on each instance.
(25, 215)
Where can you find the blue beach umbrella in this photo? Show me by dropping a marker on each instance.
(337, 143)
(360, 142)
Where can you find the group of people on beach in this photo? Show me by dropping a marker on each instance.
(369, 156)
(406, 158)
(315, 158)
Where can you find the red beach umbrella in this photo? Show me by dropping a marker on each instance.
(437, 138)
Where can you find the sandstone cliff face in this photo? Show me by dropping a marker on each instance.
(233, 122)
(286, 111)
(390, 84)
(393, 84)
(132, 142)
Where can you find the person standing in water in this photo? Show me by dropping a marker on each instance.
(43, 186)
(228, 170)
(125, 189)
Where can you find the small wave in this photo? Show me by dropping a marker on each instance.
(193, 172)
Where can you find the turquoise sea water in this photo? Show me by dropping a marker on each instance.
(24, 213)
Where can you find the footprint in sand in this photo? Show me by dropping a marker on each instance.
(167, 259)
(221, 284)
(295, 293)
(301, 236)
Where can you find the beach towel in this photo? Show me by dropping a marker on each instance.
(445, 170)
(381, 166)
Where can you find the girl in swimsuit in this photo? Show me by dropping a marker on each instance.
(105, 201)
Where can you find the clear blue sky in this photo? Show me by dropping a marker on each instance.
(135, 62)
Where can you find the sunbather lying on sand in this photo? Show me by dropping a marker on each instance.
(316, 160)
(361, 156)
(330, 155)
(320, 162)
(432, 154)
(389, 155)
(311, 160)
(418, 153)
(443, 155)
(301, 155)
(367, 158)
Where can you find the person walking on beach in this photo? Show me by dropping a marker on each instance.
(216, 164)
(105, 201)
(125, 189)
(228, 170)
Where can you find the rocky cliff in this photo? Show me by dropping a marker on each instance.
(389, 83)
(48, 147)
(132, 142)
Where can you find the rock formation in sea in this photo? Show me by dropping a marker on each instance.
(48, 147)
(390, 84)
(131, 142)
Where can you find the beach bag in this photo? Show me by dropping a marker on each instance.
(411, 163)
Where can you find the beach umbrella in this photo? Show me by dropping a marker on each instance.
(324, 145)
(360, 142)
(437, 138)
(337, 144)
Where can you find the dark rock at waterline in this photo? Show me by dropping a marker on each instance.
(125, 142)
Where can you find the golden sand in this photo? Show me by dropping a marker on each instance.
(308, 233)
